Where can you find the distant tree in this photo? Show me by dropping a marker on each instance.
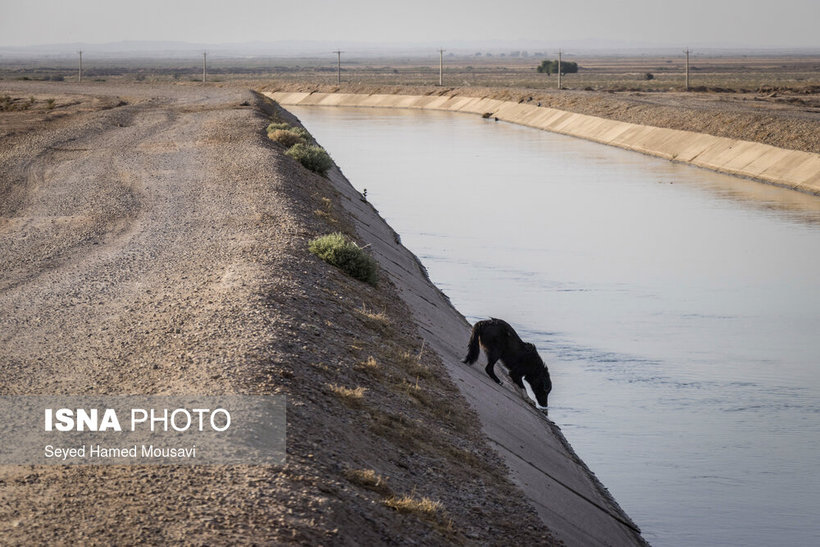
(551, 67)
(545, 68)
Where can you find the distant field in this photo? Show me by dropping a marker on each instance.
(603, 73)
(799, 74)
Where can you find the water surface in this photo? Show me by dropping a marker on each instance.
(678, 309)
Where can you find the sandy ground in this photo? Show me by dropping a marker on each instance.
(784, 119)
(154, 241)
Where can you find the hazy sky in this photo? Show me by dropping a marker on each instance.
(752, 23)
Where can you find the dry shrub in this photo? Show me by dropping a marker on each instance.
(286, 137)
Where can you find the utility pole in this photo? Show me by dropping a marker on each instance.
(204, 66)
(441, 67)
(559, 70)
(338, 66)
(80, 70)
(686, 51)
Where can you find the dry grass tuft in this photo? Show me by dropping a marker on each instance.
(369, 479)
(352, 397)
(398, 429)
(424, 507)
(412, 363)
(380, 317)
(326, 212)
(415, 393)
(467, 458)
(370, 365)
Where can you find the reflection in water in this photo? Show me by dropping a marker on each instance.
(678, 309)
(767, 198)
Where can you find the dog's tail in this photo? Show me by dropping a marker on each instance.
(473, 348)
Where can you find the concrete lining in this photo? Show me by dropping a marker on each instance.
(792, 169)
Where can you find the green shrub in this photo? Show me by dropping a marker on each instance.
(337, 250)
(313, 157)
(302, 132)
(287, 137)
(277, 125)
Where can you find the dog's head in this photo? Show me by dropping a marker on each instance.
(542, 387)
(540, 382)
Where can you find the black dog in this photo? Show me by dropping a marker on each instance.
(500, 341)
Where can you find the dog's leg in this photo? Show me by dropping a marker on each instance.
(522, 391)
(516, 377)
(491, 359)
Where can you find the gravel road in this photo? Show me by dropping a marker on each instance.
(129, 231)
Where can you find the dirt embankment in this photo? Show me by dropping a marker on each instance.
(782, 119)
(154, 241)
